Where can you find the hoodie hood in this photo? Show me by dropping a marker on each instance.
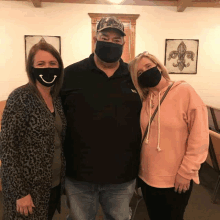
(177, 83)
(152, 94)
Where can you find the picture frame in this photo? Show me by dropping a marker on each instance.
(181, 56)
(30, 40)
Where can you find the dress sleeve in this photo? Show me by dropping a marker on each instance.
(13, 131)
(197, 143)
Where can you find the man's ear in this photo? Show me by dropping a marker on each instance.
(94, 39)
(123, 46)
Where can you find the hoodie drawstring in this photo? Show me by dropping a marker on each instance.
(147, 140)
(147, 137)
(158, 141)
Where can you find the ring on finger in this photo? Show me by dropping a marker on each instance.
(187, 187)
(180, 190)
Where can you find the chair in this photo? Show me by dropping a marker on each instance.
(213, 158)
(0, 178)
(2, 106)
(214, 118)
(138, 192)
(217, 118)
(210, 119)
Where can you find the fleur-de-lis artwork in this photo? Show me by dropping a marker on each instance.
(30, 40)
(181, 56)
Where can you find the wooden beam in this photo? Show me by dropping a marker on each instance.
(36, 3)
(183, 4)
(179, 3)
(123, 2)
(206, 4)
(122, 17)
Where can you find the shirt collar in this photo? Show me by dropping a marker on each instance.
(121, 71)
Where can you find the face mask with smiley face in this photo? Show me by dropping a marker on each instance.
(46, 76)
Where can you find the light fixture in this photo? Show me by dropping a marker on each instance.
(117, 2)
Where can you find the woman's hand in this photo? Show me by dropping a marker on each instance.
(181, 184)
(24, 205)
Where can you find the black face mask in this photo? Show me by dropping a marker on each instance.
(46, 76)
(108, 52)
(150, 78)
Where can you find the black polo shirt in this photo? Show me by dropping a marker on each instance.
(103, 131)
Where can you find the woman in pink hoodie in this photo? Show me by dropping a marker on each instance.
(176, 141)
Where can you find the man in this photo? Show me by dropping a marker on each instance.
(102, 147)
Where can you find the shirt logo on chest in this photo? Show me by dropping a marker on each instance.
(134, 91)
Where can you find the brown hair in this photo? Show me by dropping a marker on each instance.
(43, 45)
(143, 92)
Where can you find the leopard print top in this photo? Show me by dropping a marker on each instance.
(27, 149)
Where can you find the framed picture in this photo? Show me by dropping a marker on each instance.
(181, 56)
(30, 40)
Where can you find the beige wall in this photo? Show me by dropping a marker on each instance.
(72, 23)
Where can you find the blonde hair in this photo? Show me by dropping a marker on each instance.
(132, 66)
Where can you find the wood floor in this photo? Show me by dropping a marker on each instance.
(199, 207)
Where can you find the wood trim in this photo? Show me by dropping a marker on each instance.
(125, 18)
(149, 3)
(195, 3)
(183, 4)
(206, 4)
(124, 2)
(36, 3)
(132, 41)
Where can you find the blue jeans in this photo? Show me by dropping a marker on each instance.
(83, 199)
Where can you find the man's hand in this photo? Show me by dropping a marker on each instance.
(181, 184)
(24, 205)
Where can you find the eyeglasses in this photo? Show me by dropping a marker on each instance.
(143, 53)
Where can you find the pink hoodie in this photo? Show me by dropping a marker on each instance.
(178, 137)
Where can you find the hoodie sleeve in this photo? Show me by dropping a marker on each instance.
(198, 139)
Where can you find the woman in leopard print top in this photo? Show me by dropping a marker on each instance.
(33, 131)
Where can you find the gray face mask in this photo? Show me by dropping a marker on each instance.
(150, 78)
